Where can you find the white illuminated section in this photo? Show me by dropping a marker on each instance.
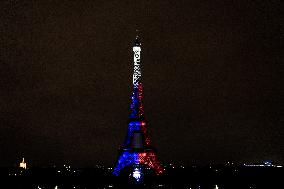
(137, 69)
(137, 174)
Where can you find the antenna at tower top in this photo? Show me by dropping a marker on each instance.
(137, 39)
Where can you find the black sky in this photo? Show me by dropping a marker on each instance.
(212, 75)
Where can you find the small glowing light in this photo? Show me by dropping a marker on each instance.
(137, 174)
(216, 187)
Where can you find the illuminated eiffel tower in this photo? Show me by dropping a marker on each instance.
(137, 151)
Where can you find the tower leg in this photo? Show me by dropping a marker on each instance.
(150, 159)
(125, 159)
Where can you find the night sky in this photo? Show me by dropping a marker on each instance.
(212, 77)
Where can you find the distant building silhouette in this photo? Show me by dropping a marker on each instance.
(23, 164)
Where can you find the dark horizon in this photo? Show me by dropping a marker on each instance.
(213, 85)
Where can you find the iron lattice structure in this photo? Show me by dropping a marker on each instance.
(137, 150)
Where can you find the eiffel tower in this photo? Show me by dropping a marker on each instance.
(137, 152)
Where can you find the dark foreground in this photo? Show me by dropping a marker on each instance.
(192, 177)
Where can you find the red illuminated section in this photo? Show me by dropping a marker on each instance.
(140, 105)
(150, 159)
(144, 130)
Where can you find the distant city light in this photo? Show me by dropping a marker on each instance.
(23, 164)
(265, 164)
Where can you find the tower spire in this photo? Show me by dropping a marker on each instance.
(137, 39)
